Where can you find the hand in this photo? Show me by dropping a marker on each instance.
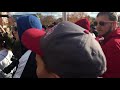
(2, 29)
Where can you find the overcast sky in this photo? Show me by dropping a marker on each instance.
(56, 14)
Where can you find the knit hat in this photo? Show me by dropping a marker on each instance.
(25, 22)
(85, 23)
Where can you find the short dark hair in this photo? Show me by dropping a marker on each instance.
(112, 15)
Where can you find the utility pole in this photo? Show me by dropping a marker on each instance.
(64, 15)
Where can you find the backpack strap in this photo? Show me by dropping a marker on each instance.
(30, 68)
(22, 63)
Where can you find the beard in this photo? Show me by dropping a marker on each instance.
(108, 32)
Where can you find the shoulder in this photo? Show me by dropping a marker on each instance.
(112, 45)
(114, 41)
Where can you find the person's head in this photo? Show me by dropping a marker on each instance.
(106, 22)
(84, 23)
(93, 30)
(66, 51)
(25, 22)
(11, 20)
(15, 33)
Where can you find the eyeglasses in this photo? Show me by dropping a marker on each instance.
(102, 23)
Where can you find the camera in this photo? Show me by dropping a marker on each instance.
(10, 67)
(13, 58)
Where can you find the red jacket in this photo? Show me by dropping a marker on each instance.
(111, 48)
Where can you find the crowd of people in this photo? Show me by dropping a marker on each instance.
(61, 50)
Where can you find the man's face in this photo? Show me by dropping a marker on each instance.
(15, 34)
(103, 25)
(11, 21)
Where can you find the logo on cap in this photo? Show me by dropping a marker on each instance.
(50, 31)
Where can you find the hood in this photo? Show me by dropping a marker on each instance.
(26, 22)
(84, 23)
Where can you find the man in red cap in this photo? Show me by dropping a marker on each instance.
(65, 51)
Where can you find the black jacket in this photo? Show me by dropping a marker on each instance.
(30, 68)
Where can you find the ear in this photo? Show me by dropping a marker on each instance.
(41, 70)
(116, 24)
(53, 75)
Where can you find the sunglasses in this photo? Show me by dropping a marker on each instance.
(101, 23)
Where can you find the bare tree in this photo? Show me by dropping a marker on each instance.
(47, 20)
(73, 17)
